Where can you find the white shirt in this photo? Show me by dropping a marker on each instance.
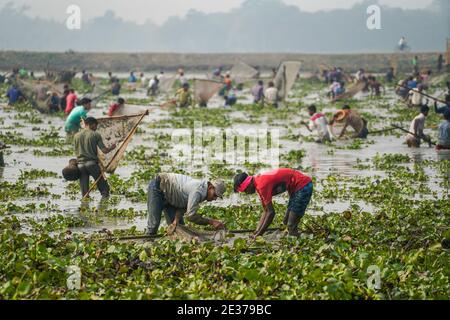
(271, 94)
(319, 123)
(151, 83)
(416, 97)
(417, 126)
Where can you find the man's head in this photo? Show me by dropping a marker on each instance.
(271, 84)
(121, 101)
(424, 109)
(260, 82)
(447, 99)
(244, 183)
(312, 109)
(216, 189)
(91, 123)
(86, 103)
(346, 107)
(186, 86)
(72, 91)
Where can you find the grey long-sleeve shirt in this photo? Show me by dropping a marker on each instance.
(185, 193)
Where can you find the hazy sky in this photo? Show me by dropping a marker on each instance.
(159, 10)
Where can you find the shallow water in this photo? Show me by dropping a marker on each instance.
(317, 156)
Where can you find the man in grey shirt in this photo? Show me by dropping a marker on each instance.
(179, 195)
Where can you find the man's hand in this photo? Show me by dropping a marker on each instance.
(217, 224)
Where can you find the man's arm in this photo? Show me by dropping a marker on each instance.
(194, 200)
(102, 146)
(266, 219)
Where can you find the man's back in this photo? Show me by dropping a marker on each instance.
(178, 187)
(86, 142)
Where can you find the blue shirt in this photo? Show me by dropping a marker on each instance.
(13, 95)
(411, 84)
(73, 120)
(132, 79)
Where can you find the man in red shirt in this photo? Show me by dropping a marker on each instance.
(70, 101)
(268, 184)
(115, 106)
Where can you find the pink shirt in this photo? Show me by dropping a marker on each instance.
(70, 102)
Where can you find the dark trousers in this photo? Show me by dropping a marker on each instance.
(156, 204)
(92, 169)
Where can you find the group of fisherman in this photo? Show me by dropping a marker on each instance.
(179, 196)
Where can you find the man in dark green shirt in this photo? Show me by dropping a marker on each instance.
(86, 143)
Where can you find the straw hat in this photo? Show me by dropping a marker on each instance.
(340, 115)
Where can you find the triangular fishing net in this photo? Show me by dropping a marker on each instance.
(351, 90)
(286, 76)
(205, 89)
(242, 72)
(118, 130)
(166, 84)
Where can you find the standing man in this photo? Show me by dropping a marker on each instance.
(390, 76)
(70, 101)
(416, 127)
(319, 123)
(53, 101)
(269, 184)
(258, 92)
(86, 143)
(353, 119)
(73, 121)
(115, 87)
(179, 195)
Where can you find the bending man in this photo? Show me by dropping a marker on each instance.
(298, 185)
(179, 195)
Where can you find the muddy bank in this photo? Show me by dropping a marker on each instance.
(171, 61)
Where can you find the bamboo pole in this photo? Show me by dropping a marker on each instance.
(422, 93)
(415, 135)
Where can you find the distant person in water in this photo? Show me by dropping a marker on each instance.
(115, 107)
(390, 75)
(319, 123)
(351, 118)
(14, 95)
(416, 129)
(258, 92)
(115, 88)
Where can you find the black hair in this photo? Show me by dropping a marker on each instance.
(90, 120)
(260, 82)
(312, 108)
(424, 108)
(447, 97)
(121, 100)
(346, 107)
(238, 179)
